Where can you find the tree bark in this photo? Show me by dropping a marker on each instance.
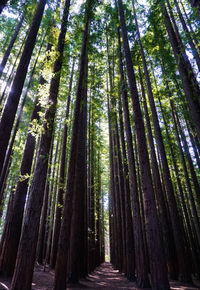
(65, 231)
(28, 241)
(190, 85)
(10, 46)
(13, 228)
(184, 273)
(10, 108)
(141, 265)
(130, 255)
(158, 267)
(59, 205)
(163, 214)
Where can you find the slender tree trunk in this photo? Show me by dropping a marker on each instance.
(121, 189)
(158, 267)
(194, 145)
(115, 238)
(76, 258)
(187, 32)
(190, 164)
(10, 46)
(91, 192)
(184, 273)
(28, 241)
(8, 155)
(65, 231)
(167, 233)
(190, 85)
(190, 26)
(117, 186)
(116, 193)
(141, 265)
(130, 256)
(53, 193)
(10, 108)
(10, 77)
(59, 205)
(13, 228)
(10, 150)
(41, 245)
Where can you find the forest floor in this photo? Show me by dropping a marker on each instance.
(103, 277)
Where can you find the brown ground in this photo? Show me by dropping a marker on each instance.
(103, 277)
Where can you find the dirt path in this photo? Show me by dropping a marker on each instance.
(108, 278)
(103, 277)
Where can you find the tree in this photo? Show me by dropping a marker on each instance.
(12, 102)
(158, 267)
(30, 229)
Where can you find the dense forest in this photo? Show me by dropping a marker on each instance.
(100, 140)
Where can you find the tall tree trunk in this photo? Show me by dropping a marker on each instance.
(59, 205)
(53, 189)
(158, 267)
(184, 272)
(121, 189)
(17, 123)
(10, 46)
(91, 192)
(10, 77)
(130, 256)
(119, 218)
(190, 164)
(76, 251)
(10, 108)
(64, 238)
(163, 214)
(115, 231)
(141, 265)
(187, 32)
(41, 244)
(28, 241)
(13, 228)
(190, 85)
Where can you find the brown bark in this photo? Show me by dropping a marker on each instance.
(192, 171)
(10, 46)
(11, 75)
(28, 241)
(76, 255)
(190, 85)
(187, 32)
(184, 272)
(130, 256)
(141, 265)
(91, 192)
(13, 228)
(59, 205)
(41, 244)
(10, 108)
(116, 190)
(65, 231)
(163, 214)
(116, 234)
(158, 268)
